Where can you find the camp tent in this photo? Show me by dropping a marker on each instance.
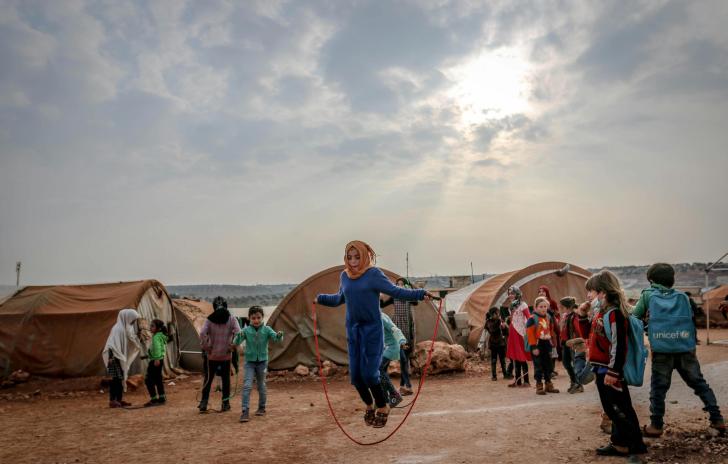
(191, 316)
(562, 279)
(61, 330)
(293, 316)
(711, 303)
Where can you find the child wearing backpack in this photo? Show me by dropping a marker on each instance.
(394, 341)
(256, 337)
(541, 333)
(671, 332)
(608, 354)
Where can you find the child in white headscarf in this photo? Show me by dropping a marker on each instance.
(122, 347)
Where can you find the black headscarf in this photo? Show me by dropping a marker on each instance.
(221, 314)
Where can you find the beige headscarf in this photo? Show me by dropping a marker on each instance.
(367, 258)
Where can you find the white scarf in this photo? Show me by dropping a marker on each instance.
(123, 341)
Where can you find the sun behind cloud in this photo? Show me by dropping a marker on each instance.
(491, 85)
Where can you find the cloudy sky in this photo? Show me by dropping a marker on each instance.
(247, 142)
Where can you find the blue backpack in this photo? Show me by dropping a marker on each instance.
(671, 328)
(634, 364)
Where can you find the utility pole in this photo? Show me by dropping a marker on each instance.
(472, 274)
(17, 273)
(407, 260)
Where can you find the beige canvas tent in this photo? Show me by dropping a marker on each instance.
(190, 315)
(61, 330)
(293, 316)
(711, 304)
(562, 279)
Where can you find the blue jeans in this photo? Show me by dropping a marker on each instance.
(255, 369)
(582, 369)
(687, 365)
(404, 380)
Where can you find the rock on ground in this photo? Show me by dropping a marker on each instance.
(445, 357)
(301, 370)
(329, 368)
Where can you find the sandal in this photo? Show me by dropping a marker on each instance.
(651, 431)
(380, 420)
(369, 417)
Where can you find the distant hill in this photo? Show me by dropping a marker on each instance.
(686, 275)
(238, 296)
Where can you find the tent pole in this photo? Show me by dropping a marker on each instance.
(707, 312)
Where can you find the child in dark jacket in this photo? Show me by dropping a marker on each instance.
(497, 333)
(154, 380)
(541, 333)
(608, 354)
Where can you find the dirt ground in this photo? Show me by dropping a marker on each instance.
(460, 418)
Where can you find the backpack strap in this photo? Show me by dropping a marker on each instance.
(607, 325)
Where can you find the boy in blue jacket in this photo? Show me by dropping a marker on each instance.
(671, 351)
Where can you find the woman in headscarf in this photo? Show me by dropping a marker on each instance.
(121, 348)
(516, 350)
(360, 286)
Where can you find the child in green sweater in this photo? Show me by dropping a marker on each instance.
(154, 380)
(256, 337)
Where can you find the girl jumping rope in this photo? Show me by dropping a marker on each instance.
(360, 286)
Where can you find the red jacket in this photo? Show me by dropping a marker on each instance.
(609, 352)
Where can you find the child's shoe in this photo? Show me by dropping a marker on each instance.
(380, 420)
(577, 344)
(225, 406)
(550, 388)
(150, 403)
(404, 391)
(161, 400)
(114, 404)
(260, 412)
(719, 425)
(576, 388)
(369, 417)
(524, 385)
(613, 450)
(202, 406)
(652, 431)
(539, 389)
(494, 378)
(124, 404)
(245, 416)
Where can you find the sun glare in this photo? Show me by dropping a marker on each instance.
(493, 85)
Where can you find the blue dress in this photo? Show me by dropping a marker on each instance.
(364, 330)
